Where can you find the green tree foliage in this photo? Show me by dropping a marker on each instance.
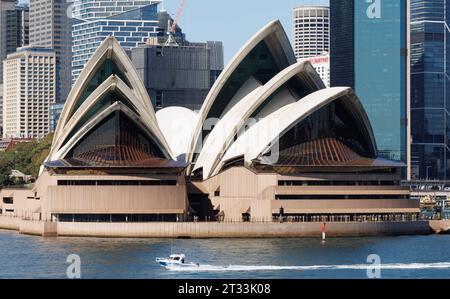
(24, 157)
(39, 154)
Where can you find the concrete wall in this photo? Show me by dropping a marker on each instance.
(47, 198)
(38, 228)
(241, 190)
(213, 229)
(30, 227)
(348, 206)
(239, 230)
(115, 200)
(24, 206)
(9, 223)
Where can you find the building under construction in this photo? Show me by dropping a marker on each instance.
(177, 72)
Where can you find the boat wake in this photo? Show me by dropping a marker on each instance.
(211, 268)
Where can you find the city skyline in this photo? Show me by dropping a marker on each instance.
(208, 27)
(196, 23)
(223, 140)
(369, 54)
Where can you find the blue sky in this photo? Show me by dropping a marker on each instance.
(232, 21)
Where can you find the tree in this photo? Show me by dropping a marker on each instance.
(5, 171)
(39, 154)
(25, 157)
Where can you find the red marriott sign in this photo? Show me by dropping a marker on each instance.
(322, 59)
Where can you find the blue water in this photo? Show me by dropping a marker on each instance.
(401, 257)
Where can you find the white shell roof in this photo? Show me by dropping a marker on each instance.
(257, 139)
(229, 126)
(177, 124)
(136, 94)
(273, 27)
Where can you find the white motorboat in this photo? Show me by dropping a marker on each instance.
(175, 260)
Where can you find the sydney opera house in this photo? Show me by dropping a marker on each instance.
(270, 141)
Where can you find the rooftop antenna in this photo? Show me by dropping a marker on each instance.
(171, 41)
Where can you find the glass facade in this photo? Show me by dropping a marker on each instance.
(342, 38)
(97, 9)
(368, 53)
(131, 23)
(116, 141)
(430, 85)
(259, 64)
(107, 69)
(55, 114)
(329, 136)
(14, 29)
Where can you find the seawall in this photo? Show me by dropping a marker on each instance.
(29, 227)
(214, 229)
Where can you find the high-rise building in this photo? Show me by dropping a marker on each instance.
(14, 25)
(179, 75)
(50, 27)
(311, 31)
(430, 89)
(8, 37)
(23, 24)
(369, 52)
(55, 114)
(29, 90)
(130, 22)
(322, 66)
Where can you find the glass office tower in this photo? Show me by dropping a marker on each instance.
(131, 22)
(430, 86)
(14, 28)
(369, 53)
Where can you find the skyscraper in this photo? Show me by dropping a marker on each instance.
(23, 24)
(311, 31)
(14, 25)
(13, 34)
(369, 53)
(322, 66)
(180, 75)
(50, 27)
(8, 37)
(29, 91)
(430, 89)
(130, 22)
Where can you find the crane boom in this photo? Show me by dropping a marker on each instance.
(178, 16)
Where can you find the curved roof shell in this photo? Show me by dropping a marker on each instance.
(260, 138)
(109, 82)
(259, 103)
(177, 124)
(267, 53)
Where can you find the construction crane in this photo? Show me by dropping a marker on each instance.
(177, 16)
(172, 28)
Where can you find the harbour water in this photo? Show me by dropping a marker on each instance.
(401, 257)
